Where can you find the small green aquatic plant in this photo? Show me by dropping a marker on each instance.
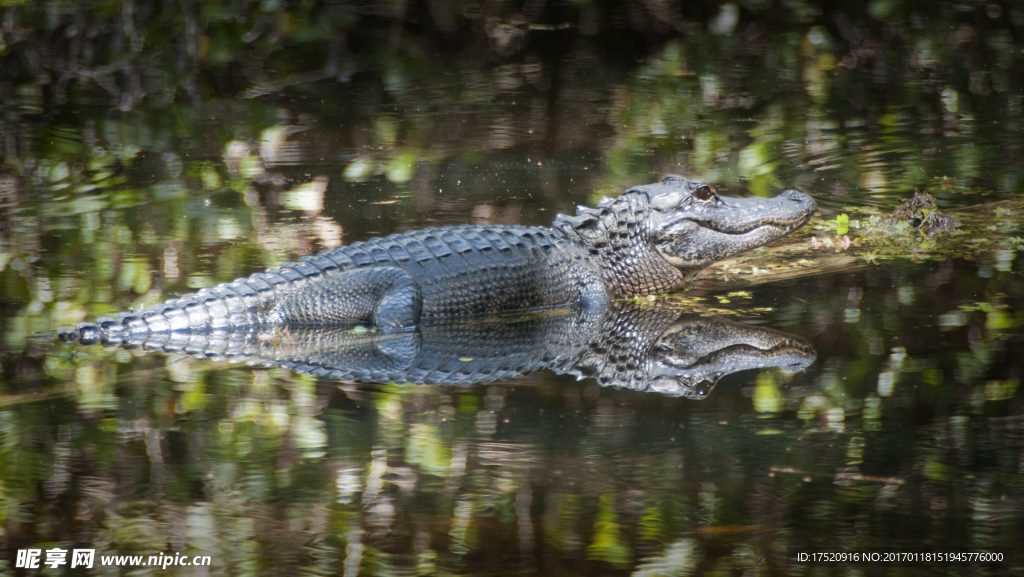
(842, 224)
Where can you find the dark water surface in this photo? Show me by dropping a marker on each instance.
(150, 149)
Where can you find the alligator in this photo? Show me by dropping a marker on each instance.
(647, 348)
(649, 240)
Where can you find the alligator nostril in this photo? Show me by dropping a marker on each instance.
(799, 198)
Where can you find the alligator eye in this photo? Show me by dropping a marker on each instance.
(704, 193)
(703, 388)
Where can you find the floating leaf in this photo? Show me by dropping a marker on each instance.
(842, 224)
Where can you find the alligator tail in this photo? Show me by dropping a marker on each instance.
(237, 306)
(234, 345)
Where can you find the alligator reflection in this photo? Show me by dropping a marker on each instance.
(644, 348)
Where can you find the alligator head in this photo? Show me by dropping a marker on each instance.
(667, 351)
(654, 238)
(694, 353)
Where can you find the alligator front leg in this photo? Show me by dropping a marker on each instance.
(387, 297)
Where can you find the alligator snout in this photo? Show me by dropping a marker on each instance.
(806, 201)
(797, 196)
